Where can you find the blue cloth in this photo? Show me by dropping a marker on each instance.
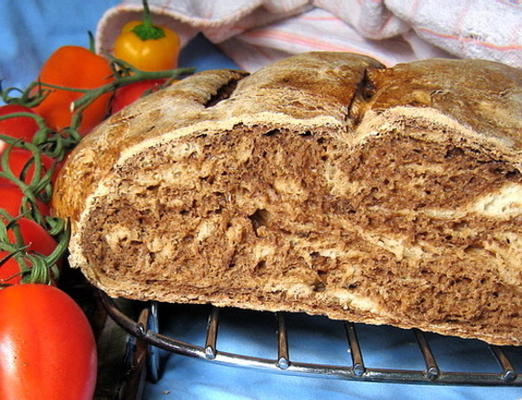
(33, 29)
(30, 31)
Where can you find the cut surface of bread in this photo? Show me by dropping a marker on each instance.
(324, 183)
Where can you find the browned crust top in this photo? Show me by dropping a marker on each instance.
(483, 97)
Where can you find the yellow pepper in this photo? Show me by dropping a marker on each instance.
(146, 46)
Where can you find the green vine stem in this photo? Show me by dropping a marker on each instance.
(34, 267)
(17, 249)
(28, 98)
(125, 75)
(10, 224)
(13, 254)
(43, 130)
(50, 143)
(39, 187)
(147, 30)
(55, 144)
(66, 88)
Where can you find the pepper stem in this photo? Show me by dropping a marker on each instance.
(92, 43)
(147, 30)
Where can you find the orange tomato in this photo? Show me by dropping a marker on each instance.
(73, 67)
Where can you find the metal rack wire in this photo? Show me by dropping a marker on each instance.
(356, 370)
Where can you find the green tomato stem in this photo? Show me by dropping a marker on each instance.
(37, 118)
(61, 248)
(27, 98)
(67, 89)
(147, 30)
(13, 254)
(38, 181)
(92, 43)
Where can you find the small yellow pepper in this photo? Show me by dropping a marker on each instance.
(146, 46)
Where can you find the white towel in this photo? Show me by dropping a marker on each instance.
(256, 32)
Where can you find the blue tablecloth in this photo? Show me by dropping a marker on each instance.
(30, 31)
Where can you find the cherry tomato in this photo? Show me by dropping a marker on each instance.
(74, 67)
(18, 158)
(11, 200)
(47, 346)
(18, 127)
(9, 270)
(35, 236)
(130, 93)
(147, 53)
(38, 240)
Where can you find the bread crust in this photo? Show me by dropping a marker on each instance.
(352, 100)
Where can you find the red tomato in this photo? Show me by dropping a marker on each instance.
(35, 236)
(8, 269)
(17, 160)
(39, 241)
(130, 93)
(11, 200)
(47, 346)
(18, 127)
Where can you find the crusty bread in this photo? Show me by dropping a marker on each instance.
(324, 183)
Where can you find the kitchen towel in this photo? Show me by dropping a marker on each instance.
(256, 32)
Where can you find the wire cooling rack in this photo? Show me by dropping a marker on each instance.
(146, 329)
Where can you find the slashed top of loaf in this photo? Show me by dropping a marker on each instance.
(354, 95)
(482, 95)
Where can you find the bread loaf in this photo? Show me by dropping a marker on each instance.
(324, 183)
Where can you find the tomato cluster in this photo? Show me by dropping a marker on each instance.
(47, 347)
(74, 91)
